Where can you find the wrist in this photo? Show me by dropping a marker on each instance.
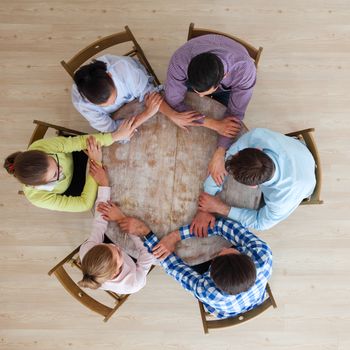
(145, 231)
(223, 209)
(175, 236)
(220, 152)
(211, 123)
(115, 136)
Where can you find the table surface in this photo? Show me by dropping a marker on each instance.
(159, 175)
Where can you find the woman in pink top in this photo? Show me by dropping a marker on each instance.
(107, 266)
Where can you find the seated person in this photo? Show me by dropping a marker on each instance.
(105, 265)
(216, 66)
(280, 165)
(237, 276)
(53, 170)
(106, 84)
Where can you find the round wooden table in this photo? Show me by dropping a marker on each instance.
(159, 175)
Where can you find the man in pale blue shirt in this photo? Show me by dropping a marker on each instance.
(281, 166)
(107, 83)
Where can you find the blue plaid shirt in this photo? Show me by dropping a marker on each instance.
(217, 302)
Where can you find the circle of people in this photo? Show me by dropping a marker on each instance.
(66, 174)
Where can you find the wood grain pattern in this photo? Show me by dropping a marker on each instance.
(159, 175)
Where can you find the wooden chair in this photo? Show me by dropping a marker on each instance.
(104, 43)
(68, 283)
(307, 137)
(253, 52)
(209, 322)
(42, 127)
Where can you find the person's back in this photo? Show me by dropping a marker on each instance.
(291, 179)
(226, 290)
(295, 169)
(105, 85)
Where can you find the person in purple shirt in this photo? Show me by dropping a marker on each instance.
(216, 66)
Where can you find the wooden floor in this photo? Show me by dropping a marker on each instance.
(303, 81)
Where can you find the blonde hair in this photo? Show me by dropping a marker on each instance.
(98, 266)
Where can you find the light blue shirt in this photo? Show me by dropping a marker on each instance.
(131, 80)
(293, 180)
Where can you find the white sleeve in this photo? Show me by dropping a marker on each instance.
(139, 81)
(145, 259)
(99, 225)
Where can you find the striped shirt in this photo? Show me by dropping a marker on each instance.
(217, 302)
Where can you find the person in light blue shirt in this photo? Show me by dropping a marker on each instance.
(106, 84)
(280, 165)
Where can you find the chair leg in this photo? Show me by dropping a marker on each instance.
(204, 320)
(67, 258)
(273, 302)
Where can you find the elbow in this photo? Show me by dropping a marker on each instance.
(262, 226)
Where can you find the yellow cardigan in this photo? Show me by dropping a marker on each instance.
(63, 148)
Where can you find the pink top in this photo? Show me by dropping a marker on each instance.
(132, 277)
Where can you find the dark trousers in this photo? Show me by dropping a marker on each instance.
(202, 268)
(221, 96)
(79, 174)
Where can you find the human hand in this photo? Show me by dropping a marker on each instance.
(99, 173)
(166, 245)
(212, 204)
(229, 126)
(110, 211)
(216, 167)
(94, 149)
(126, 130)
(152, 103)
(185, 119)
(133, 226)
(200, 223)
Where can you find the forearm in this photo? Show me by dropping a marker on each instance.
(54, 201)
(70, 144)
(224, 142)
(141, 118)
(168, 111)
(210, 123)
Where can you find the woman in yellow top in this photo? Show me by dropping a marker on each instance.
(46, 168)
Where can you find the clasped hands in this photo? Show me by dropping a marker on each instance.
(131, 225)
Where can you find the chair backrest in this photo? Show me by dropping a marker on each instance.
(306, 136)
(104, 43)
(209, 323)
(253, 52)
(42, 127)
(68, 283)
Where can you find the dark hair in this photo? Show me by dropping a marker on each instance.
(205, 71)
(233, 273)
(93, 82)
(250, 166)
(28, 167)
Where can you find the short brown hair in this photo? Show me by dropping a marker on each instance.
(250, 166)
(233, 273)
(98, 266)
(28, 167)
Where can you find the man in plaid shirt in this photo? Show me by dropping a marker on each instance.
(237, 277)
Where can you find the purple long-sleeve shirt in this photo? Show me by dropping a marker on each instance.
(239, 79)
